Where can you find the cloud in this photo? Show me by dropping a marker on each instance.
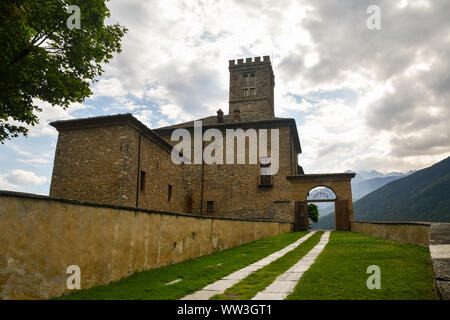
(145, 116)
(363, 99)
(51, 113)
(21, 178)
(401, 74)
(32, 158)
(108, 87)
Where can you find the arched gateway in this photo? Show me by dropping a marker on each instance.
(338, 182)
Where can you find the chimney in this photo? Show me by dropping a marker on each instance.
(237, 115)
(219, 116)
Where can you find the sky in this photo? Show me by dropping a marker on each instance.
(363, 98)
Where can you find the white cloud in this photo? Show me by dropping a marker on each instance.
(108, 87)
(176, 53)
(32, 158)
(48, 114)
(21, 178)
(175, 59)
(145, 116)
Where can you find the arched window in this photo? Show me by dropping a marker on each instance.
(252, 79)
(246, 81)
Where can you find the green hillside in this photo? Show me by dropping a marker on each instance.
(360, 189)
(421, 196)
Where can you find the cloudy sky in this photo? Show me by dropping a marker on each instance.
(362, 99)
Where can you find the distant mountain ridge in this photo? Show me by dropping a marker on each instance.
(361, 188)
(422, 195)
(368, 175)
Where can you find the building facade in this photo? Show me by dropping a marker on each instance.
(118, 160)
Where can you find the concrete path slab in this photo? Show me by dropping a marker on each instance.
(223, 284)
(285, 283)
(440, 257)
(200, 295)
(440, 251)
(270, 296)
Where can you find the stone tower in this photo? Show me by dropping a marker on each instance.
(252, 87)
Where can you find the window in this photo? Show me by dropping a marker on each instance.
(169, 193)
(245, 92)
(209, 206)
(252, 79)
(142, 180)
(252, 91)
(265, 180)
(246, 81)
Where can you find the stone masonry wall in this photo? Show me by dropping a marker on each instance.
(101, 165)
(342, 189)
(235, 188)
(40, 237)
(160, 173)
(262, 103)
(415, 233)
(92, 164)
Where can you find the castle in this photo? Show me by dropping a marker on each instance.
(117, 160)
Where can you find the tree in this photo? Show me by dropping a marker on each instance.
(313, 212)
(47, 55)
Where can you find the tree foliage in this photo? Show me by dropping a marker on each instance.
(42, 58)
(313, 212)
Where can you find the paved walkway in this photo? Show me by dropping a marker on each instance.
(223, 284)
(285, 283)
(440, 256)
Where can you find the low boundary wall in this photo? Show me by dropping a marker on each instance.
(412, 232)
(41, 236)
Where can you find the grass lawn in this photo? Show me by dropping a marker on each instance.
(259, 280)
(338, 273)
(340, 270)
(195, 273)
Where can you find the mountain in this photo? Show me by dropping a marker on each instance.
(368, 175)
(423, 195)
(361, 188)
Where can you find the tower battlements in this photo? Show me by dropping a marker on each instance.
(252, 87)
(249, 61)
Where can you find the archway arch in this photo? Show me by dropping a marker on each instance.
(321, 193)
(339, 183)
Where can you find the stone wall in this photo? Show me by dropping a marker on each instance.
(262, 103)
(100, 160)
(235, 189)
(102, 164)
(41, 236)
(92, 164)
(412, 232)
(160, 173)
(340, 185)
